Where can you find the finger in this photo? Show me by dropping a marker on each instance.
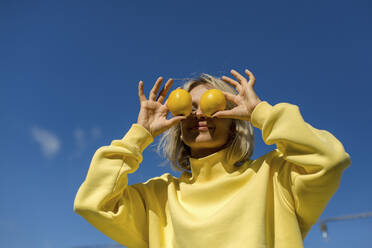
(224, 114)
(231, 82)
(165, 90)
(164, 108)
(166, 102)
(175, 120)
(239, 77)
(231, 97)
(155, 89)
(141, 94)
(252, 79)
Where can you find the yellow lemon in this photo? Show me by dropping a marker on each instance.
(179, 102)
(211, 101)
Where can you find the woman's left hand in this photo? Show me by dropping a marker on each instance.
(246, 100)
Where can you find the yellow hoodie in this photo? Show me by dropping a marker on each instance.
(269, 202)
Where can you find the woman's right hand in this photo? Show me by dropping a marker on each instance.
(153, 114)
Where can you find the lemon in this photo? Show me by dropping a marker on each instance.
(211, 101)
(179, 102)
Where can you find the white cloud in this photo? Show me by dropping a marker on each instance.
(79, 135)
(96, 132)
(47, 244)
(83, 138)
(48, 141)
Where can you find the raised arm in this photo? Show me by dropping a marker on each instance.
(311, 160)
(104, 199)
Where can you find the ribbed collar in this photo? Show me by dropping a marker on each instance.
(212, 166)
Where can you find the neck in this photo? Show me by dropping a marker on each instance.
(203, 152)
(211, 167)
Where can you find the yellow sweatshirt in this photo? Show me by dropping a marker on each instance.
(269, 202)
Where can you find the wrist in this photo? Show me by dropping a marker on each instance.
(144, 126)
(258, 102)
(138, 136)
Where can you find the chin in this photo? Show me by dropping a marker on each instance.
(204, 140)
(206, 143)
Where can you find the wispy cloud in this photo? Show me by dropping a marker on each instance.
(80, 140)
(47, 244)
(96, 132)
(84, 137)
(48, 141)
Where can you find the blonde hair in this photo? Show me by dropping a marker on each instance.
(177, 152)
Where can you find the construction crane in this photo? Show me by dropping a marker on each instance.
(323, 225)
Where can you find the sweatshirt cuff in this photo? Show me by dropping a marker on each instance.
(138, 136)
(260, 114)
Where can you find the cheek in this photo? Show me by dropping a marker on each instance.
(185, 132)
(224, 125)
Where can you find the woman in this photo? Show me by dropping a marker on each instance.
(222, 198)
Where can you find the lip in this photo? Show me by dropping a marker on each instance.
(202, 126)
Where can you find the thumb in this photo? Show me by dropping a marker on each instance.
(175, 120)
(224, 114)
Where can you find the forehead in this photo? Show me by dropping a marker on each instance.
(198, 90)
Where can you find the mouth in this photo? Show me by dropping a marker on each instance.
(202, 126)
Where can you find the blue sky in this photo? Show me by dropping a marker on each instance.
(69, 72)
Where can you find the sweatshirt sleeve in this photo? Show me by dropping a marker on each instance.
(105, 200)
(313, 159)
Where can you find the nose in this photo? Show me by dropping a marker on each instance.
(198, 113)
